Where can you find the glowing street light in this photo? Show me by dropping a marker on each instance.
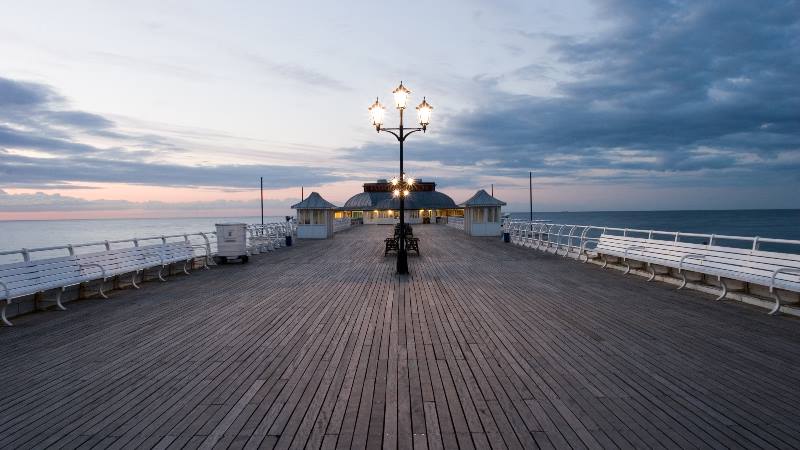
(402, 186)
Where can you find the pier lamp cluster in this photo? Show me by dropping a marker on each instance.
(401, 185)
(402, 188)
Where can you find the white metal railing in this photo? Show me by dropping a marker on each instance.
(205, 240)
(341, 224)
(571, 238)
(456, 222)
(269, 236)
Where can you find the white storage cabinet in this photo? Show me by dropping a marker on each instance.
(231, 242)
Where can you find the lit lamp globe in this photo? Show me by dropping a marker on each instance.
(424, 111)
(401, 96)
(376, 113)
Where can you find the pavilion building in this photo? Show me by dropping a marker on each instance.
(376, 205)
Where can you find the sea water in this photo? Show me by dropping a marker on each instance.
(780, 224)
(766, 223)
(18, 234)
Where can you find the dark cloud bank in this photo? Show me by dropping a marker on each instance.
(686, 92)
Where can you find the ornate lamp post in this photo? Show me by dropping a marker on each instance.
(402, 185)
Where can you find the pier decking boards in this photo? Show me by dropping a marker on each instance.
(321, 345)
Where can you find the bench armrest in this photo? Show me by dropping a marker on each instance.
(102, 269)
(689, 256)
(6, 295)
(780, 270)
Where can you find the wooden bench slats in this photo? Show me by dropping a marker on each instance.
(23, 268)
(120, 261)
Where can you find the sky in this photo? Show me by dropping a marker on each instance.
(176, 108)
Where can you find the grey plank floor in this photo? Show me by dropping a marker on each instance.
(485, 345)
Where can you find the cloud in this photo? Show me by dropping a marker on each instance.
(79, 119)
(39, 201)
(298, 73)
(22, 171)
(33, 118)
(16, 94)
(697, 93)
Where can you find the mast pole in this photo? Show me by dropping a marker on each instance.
(262, 201)
(530, 191)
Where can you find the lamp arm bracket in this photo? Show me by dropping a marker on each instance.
(412, 130)
(389, 130)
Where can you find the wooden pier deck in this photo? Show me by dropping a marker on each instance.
(485, 345)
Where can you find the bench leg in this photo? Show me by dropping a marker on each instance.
(102, 294)
(58, 300)
(184, 268)
(605, 262)
(777, 308)
(627, 267)
(133, 280)
(160, 277)
(3, 314)
(652, 273)
(683, 281)
(724, 288)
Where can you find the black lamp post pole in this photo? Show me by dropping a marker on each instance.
(402, 256)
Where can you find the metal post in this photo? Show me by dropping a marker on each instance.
(402, 257)
(530, 191)
(262, 201)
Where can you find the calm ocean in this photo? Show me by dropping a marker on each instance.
(46, 233)
(767, 223)
(781, 224)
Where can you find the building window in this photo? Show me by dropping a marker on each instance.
(477, 215)
(492, 215)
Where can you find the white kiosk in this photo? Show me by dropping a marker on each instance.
(482, 215)
(314, 217)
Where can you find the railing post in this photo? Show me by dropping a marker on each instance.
(26, 256)
(208, 244)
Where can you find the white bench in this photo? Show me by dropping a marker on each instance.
(777, 271)
(134, 260)
(33, 277)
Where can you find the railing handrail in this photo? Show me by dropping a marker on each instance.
(135, 241)
(676, 235)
